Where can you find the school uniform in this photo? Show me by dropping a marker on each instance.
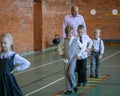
(8, 84)
(97, 50)
(82, 60)
(72, 47)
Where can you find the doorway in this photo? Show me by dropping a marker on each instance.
(37, 25)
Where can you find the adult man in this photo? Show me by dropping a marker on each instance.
(74, 19)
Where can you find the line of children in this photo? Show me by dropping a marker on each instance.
(10, 62)
(75, 54)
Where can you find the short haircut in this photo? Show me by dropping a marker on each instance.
(97, 30)
(73, 7)
(81, 27)
(69, 30)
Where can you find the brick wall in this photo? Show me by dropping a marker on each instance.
(53, 13)
(104, 19)
(16, 17)
(55, 10)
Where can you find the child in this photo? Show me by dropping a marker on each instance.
(10, 61)
(69, 54)
(96, 54)
(82, 60)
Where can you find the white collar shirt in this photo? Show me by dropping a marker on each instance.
(98, 46)
(86, 43)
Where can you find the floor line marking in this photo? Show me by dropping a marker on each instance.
(45, 86)
(43, 65)
(110, 66)
(104, 78)
(111, 55)
(64, 77)
(38, 56)
(90, 85)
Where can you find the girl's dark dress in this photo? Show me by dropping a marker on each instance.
(8, 84)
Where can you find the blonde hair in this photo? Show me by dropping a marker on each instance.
(9, 36)
(97, 30)
(69, 30)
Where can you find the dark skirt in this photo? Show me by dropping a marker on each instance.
(9, 86)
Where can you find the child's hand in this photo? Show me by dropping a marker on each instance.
(100, 57)
(89, 57)
(13, 71)
(87, 50)
(63, 55)
(76, 57)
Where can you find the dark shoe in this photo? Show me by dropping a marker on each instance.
(91, 76)
(85, 84)
(96, 76)
(68, 92)
(80, 84)
(75, 89)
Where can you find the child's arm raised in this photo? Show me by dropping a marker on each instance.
(20, 63)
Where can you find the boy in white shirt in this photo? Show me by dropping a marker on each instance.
(69, 54)
(82, 59)
(96, 54)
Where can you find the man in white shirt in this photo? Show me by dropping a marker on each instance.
(74, 19)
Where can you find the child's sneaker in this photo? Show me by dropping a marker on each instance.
(96, 76)
(91, 76)
(68, 92)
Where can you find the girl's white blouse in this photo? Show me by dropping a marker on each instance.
(22, 63)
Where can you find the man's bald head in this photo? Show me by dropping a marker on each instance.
(74, 10)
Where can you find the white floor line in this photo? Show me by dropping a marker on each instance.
(43, 65)
(41, 55)
(110, 66)
(44, 86)
(110, 55)
(63, 77)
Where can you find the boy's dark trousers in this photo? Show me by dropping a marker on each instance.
(82, 70)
